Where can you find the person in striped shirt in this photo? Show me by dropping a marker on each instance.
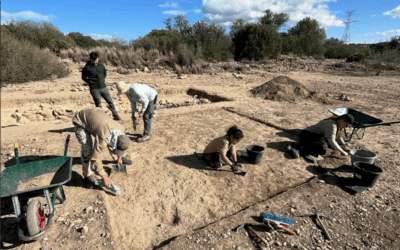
(145, 95)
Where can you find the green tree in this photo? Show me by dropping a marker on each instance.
(275, 20)
(236, 26)
(183, 26)
(168, 23)
(310, 36)
(163, 40)
(82, 41)
(212, 40)
(42, 34)
(332, 41)
(256, 41)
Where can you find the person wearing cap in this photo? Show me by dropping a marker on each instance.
(94, 74)
(315, 139)
(106, 133)
(145, 95)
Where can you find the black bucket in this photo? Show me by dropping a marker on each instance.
(366, 174)
(255, 154)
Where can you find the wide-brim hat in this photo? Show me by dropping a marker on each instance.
(122, 87)
(122, 145)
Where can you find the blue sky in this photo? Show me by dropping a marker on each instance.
(375, 21)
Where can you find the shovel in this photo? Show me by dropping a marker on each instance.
(119, 168)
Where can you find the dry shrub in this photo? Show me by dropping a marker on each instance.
(64, 54)
(178, 69)
(22, 61)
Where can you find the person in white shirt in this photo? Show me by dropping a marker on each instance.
(145, 95)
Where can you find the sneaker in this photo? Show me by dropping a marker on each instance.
(293, 152)
(89, 182)
(310, 159)
(144, 138)
(117, 118)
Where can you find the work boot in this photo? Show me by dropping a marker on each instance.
(89, 182)
(117, 118)
(294, 152)
(144, 138)
(126, 161)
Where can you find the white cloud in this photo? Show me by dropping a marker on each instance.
(99, 36)
(197, 11)
(30, 15)
(223, 12)
(175, 12)
(395, 13)
(169, 4)
(385, 33)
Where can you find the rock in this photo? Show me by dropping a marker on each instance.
(146, 70)
(60, 219)
(88, 209)
(73, 90)
(83, 229)
(182, 77)
(45, 238)
(44, 248)
(78, 221)
(81, 89)
(320, 181)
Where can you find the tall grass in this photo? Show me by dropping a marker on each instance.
(187, 60)
(22, 61)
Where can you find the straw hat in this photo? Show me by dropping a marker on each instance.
(122, 87)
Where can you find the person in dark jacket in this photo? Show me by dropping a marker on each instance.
(94, 74)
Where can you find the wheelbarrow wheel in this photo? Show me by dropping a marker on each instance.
(35, 218)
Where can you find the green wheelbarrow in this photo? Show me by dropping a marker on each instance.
(39, 178)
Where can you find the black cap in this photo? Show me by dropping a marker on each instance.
(348, 118)
(122, 144)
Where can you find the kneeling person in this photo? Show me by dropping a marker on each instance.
(219, 150)
(106, 133)
(315, 139)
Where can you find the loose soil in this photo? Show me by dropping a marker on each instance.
(171, 200)
(283, 88)
(38, 181)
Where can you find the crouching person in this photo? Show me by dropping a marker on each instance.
(106, 133)
(222, 150)
(315, 139)
(145, 95)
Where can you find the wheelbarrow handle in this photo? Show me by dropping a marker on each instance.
(16, 153)
(66, 145)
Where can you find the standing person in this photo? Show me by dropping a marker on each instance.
(219, 150)
(94, 73)
(144, 95)
(106, 133)
(315, 139)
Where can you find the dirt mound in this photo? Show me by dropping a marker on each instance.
(283, 88)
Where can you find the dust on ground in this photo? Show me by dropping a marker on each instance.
(171, 200)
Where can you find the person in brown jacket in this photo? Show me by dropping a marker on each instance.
(107, 133)
(219, 150)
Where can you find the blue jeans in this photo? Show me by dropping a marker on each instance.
(97, 94)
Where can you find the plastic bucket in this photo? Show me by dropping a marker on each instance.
(362, 155)
(366, 174)
(254, 153)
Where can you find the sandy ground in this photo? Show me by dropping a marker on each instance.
(169, 195)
